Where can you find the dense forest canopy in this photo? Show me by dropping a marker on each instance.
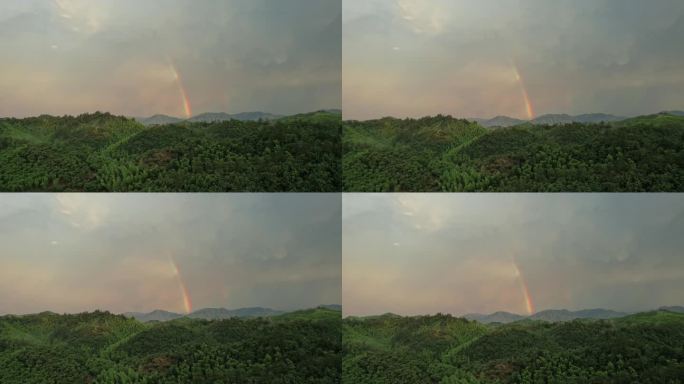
(641, 348)
(99, 347)
(102, 152)
(446, 154)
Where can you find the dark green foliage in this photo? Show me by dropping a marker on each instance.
(643, 348)
(101, 152)
(446, 154)
(104, 348)
(398, 155)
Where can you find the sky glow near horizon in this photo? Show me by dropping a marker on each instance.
(177, 252)
(521, 58)
(414, 254)
(175, 57)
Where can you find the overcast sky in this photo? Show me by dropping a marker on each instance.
(424, 57)
(75, 56)
(79, 252)
(457, 253)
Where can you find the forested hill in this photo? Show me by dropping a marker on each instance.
(300, 347)
(102, 152)
(547, 315)
(642, 348)
(215, 313)
(446, 154)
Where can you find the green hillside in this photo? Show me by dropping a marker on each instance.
(316, 314)
(104, 348)
(101, 152)
(641, 348)
(446, 154)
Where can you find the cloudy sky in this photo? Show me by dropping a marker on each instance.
(485, 58)
(480, 253)
(116, 252)
(139, 58)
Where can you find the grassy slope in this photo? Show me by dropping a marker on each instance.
(100, 346)
(392, 155)
(101, 152)
(433, 348)
(442, 153)
(316, 314)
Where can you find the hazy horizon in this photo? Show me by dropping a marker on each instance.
(459, 314)
(167, 310)
(413, 254)
(176, 57)
(524, 118)
(72, 253)
(518, 58)
(164, 114)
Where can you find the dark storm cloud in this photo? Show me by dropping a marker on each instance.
(417, 57)
(74, 56)
(75, 252)
(427, 253)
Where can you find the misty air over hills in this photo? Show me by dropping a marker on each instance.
(176, 252)
(421, 254)
(549, 315)
(511, 288)
(161, 66)
(558, 119)
(211, 117)
(218, 313)
(523, 59)
(64, 256)
(181, 58)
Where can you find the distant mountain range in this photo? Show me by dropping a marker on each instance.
(677, 308)
(556, 315)
(557, 119)
(496, 317)
(209, 117)
(156, 315)
(244, 116)
(549, 119)
(212, 117)
(158, 120)
(215, 313)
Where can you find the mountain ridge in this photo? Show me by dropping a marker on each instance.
(208, 117)
(548, 119)
(551, 315)
(548, 315)
(216, 313)
(213, 117)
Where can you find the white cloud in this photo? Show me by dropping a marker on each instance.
(84, 211)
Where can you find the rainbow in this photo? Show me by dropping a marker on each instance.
(529, 304)
(526, 97)
(187, 108)
(187, 303)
